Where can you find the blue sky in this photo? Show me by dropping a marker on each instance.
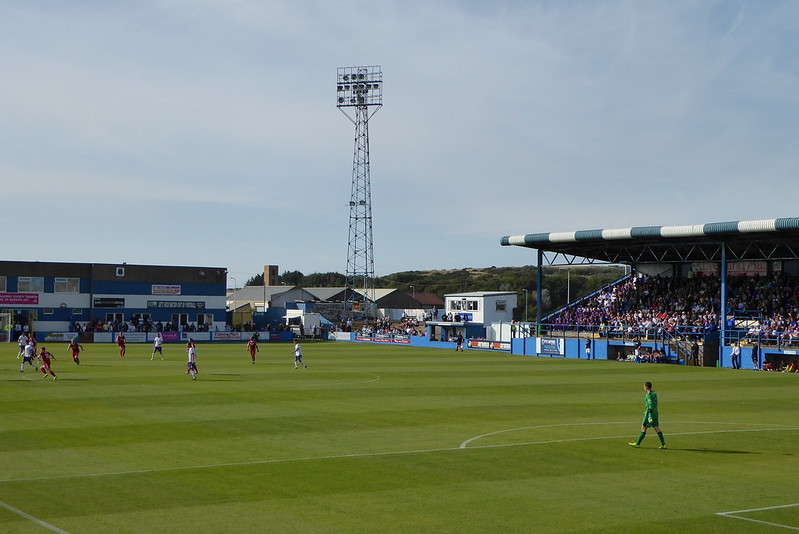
(205, 132)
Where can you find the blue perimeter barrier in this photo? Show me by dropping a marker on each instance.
(169, 337)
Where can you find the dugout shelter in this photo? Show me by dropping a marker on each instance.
(676, 251)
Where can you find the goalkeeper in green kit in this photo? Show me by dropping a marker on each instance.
(650, 417)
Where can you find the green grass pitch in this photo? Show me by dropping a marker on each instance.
(372, 439)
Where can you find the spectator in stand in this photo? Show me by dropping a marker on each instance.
(755, 356)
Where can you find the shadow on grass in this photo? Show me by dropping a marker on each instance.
(715, 451)
(60, 378)
(222, 377)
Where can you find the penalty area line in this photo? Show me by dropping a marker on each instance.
(734, 515)
(32, 519)
(465, 444)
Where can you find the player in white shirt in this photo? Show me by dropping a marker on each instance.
(298, 355)
(23, 342)
(157, 342)
(191, 363)
(29, 353)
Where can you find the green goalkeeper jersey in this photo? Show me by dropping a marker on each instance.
(651, 413)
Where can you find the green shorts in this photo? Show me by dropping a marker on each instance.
(650, 420)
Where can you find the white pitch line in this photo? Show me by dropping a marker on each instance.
(365, 455)
(466, 443)
(230, 464)
(733, 515)
(29, 517)
(782, 427)
(778, 525)
(765, 509)
(374, 379)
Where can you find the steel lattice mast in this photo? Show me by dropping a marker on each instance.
(359, 92)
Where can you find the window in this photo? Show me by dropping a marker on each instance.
(67, 285)
(180, 319)
(48, 311)
(463, 304)
(2, 284)
(501, 304)
(114, 317)
(205, 319)
(77, 311)
(30, 284)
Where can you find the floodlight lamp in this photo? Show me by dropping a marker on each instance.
(346, 77)
(341, 100)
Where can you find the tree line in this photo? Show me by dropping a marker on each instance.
(561, 284)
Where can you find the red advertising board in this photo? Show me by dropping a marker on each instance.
(19, 298)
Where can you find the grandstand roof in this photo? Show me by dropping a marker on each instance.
(768, 239)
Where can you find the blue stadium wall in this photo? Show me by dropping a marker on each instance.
(553, 347)
(54, 296)
(773, 355)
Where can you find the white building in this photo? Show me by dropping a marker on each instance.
(483, 307)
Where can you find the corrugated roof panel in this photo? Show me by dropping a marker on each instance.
(645, 231)
(634, 244)
(588, 235)
(562, 237)
(683, 231)
(722, 228)
(532, 239)
(766, 225)
(616, 233)
(512, 240)
(786, 223)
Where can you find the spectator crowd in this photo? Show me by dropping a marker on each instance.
(765, 308)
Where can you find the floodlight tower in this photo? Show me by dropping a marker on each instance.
(359, 92)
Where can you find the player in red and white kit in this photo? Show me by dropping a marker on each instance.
(45, 356)
(121, 344)
(75, 347)
(252, 346)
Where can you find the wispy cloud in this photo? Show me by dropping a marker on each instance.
(216, 119)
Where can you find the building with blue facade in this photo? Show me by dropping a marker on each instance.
(60, 297)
